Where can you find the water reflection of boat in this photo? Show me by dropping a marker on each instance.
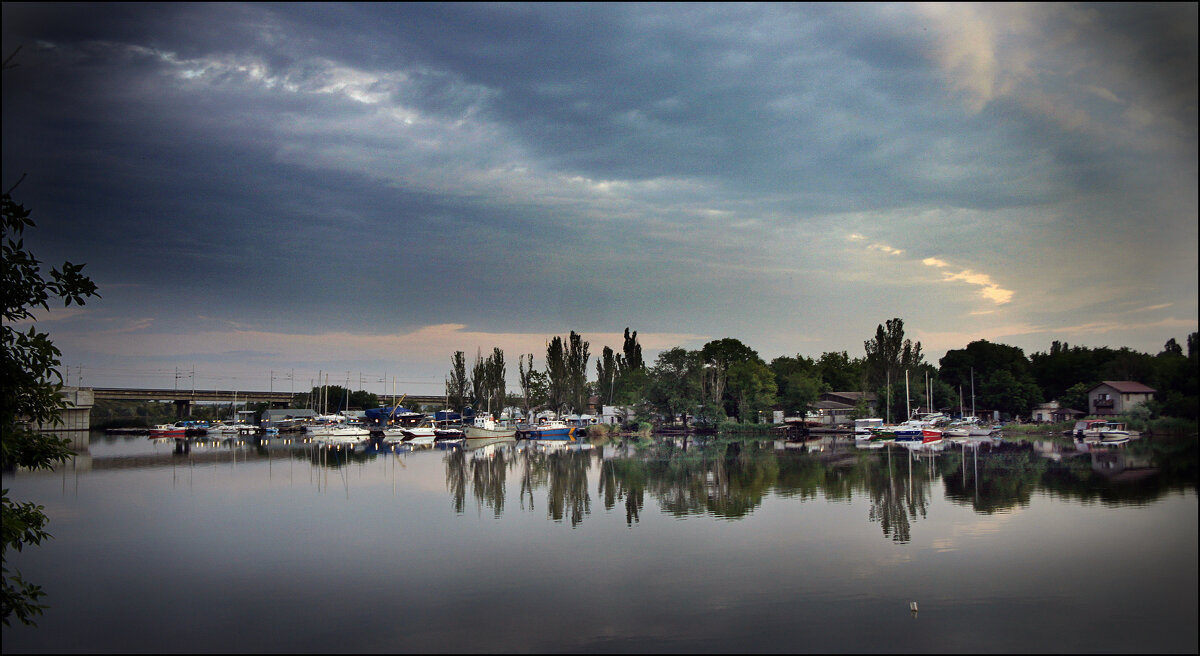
(449, 431)
(862, 427)
(930, 446)
(340, 435)
(471, 443)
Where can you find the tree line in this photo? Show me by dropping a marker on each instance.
(727, 380)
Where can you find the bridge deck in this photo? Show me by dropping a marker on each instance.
(222, 396)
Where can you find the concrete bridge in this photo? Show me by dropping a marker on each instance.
(80, 401)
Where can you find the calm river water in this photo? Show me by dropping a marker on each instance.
(723, 545)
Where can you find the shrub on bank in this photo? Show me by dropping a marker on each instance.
(603, 431)
(751, 429)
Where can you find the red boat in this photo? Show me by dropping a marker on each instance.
(169, 430)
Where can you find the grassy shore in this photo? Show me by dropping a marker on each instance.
(1145, 426)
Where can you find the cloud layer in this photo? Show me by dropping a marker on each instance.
(790, 175)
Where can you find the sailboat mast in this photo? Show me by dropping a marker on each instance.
(972, 391)
(907, 405)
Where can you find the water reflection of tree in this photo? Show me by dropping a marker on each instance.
(730, 478)
(994, 480)
(456, 478)
(726, 478)
(623, 479)
(488, 476)
(898, 487)
(564, 475)
(568, 489)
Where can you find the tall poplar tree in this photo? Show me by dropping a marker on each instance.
(606, 374)
(479, 382)
(889, 355)
(557, 375)
(577, 365)
(495, 374)
(456, 383)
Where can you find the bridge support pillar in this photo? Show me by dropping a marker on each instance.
(183, 408)
(77, 416)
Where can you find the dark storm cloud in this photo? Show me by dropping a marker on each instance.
(264, 161)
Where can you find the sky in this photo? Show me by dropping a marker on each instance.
(264, 193)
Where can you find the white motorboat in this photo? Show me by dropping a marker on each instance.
(422, 430)
(1114, 433)
(486, 426)
(862, 427)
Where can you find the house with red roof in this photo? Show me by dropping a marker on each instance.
(1113, 397)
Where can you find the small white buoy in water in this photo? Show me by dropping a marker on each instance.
(913, 606)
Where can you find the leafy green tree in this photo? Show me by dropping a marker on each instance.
(718, 356)
(674, 387)
(1076, 397)
(1176, 379)
(629, 388)
(1005, 392)
(800, 391)
(862, 409)
(527, 378)
(1003, 376)
(787, 368)
(456, 382)
(362, 399)
(889, 356)
(1064, 366)
(752, 385)
(32, 384)
(841, 373)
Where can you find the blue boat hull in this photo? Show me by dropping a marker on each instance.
(551, 434)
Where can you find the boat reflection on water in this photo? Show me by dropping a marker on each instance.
(730, 478)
